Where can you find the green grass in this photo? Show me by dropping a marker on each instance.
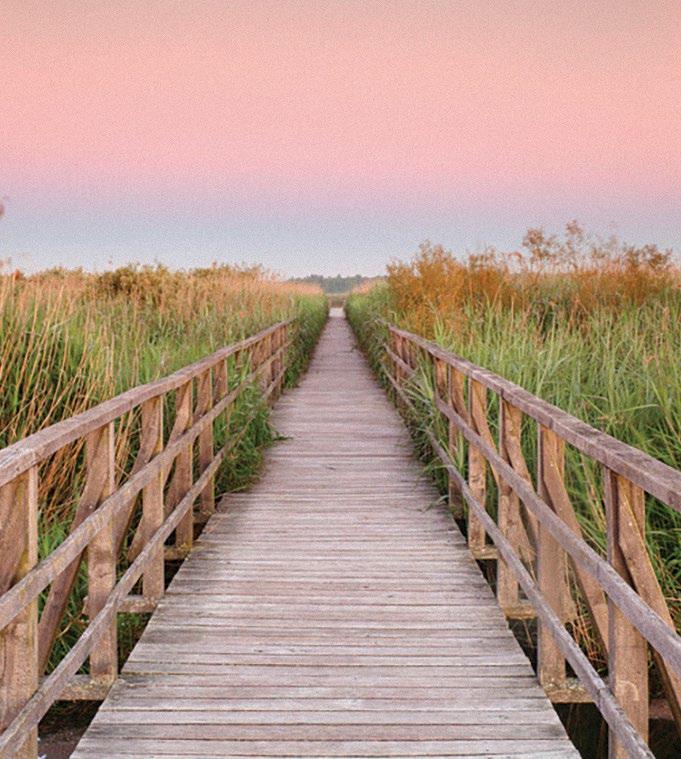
(70, 340)
(616, 369)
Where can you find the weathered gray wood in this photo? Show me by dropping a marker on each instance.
(184, 469)
(642, 616)
(555, 494)
(508, 507)
(377, 731)
(204, 402)
(332, 610)
(102, 519)
(551, 575)
(19, 641)
(51, 687)
(627, 648)
(101, 557)
(635, 552)
(172, 712)
(19, 457)
(153, 582)
(593, 682)
(93, 493)
(650, 474)
(477, 466)
(120, 742)
(112, 508)
(326, 711)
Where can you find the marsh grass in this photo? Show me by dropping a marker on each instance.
(600, 339)
(70, 340)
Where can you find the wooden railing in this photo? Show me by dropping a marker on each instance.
(151, 499)
(537, 536)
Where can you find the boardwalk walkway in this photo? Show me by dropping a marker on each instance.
(333, 610)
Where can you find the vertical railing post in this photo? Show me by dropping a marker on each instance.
(550, 563)
(477, 465)
(627, 650)
(402, 352)
(273, 358)
(455, 400)
(153, 581)
(397, 350)
(220, 380)
(221, 388)
(272, 371)
(238, 365)
(441, 378)
(204, 403)
(508, 506)
(182, 480)
(410, 354)
(274, 365)
(261, 356)
(284, 355)
(442, 389)
(101, 555)
(398, 375)
(19, 670)
(441, 385)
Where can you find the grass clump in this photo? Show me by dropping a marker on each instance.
(70, 340)
(592, 326)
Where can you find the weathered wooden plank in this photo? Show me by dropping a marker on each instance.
(332, 610)
(367, 663)
(19, 667)
(271, 630)
(216, 730)
(215, 687)
(344, 711)
(175, 712)
(124, 745)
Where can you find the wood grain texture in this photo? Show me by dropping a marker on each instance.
(332, 610)
(20, 456)
(650, 474)
(19, 641)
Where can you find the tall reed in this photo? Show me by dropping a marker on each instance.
(69, 340)
(591, 326)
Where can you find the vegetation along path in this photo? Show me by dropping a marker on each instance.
(332, 610)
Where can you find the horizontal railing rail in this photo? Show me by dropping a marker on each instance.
(537, 537)
(122, 522)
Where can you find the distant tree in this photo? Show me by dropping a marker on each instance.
(333, 285)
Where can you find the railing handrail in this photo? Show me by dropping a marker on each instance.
(19, 457)
(537, 530)
(652, 475)
(169, 474)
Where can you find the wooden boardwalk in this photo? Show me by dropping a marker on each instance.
(332, 610)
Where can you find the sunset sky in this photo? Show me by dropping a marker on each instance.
(331, 136)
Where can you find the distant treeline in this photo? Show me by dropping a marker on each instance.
(335, 284)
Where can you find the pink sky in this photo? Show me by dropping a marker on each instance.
(290, 108)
